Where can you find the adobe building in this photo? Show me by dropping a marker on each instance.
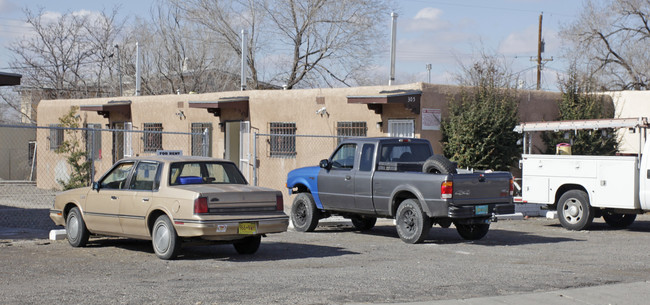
(411, 110)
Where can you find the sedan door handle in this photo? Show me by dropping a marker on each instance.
(145, 199)
(113, 197)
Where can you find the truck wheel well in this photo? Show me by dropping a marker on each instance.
(565, 188)
(301, 188)
(399, 197)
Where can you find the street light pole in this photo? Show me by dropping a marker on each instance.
(119, 68)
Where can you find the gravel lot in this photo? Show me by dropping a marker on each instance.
(333, 265)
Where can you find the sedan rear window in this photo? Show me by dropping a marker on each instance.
(182, 173)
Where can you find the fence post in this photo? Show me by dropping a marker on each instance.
(92, 155)
(255, 158)
(204, 144)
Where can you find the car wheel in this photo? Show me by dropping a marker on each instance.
(75, 228)
(412, 224)
(618, 221)
(304, 214)
(438, 164)
(165, 241)
(472, 231)
(248, 245)
(363, 223)
(574, 210)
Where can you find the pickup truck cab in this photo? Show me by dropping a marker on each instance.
(581, 188)
(367, 178)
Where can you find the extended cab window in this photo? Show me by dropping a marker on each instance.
(344, 157)
(405, 152)
(367, 153)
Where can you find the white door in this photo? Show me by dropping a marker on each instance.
(244, 147)
(401, 128)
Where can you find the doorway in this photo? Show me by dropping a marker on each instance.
(237, 146)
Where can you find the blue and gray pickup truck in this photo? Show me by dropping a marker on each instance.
(367, 178)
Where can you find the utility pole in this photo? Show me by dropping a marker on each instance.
(428, 66)
(119, 68)
(393, 35)
(540, 50)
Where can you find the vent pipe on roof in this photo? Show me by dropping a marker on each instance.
(244, 51)
(393, 34)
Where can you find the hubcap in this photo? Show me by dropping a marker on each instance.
(73, 228)
(162, 238)
(573, 210)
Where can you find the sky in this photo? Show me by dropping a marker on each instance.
(441, 33)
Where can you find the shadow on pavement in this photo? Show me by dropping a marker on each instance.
(19, 223)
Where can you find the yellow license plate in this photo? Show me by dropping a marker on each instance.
(247, 228)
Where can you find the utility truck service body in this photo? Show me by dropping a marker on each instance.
(583, 187)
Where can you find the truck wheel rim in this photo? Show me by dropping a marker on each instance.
(573, 210)
(301, 213)
(409, 221)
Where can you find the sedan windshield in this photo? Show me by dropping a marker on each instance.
(205, 173)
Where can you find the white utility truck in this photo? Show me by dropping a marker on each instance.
(583, 187)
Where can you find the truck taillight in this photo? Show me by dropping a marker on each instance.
(200, 205)
(279, 203)
(512, 187)
(447, 190)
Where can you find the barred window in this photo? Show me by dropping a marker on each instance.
(283, 140)
(351, 129)
(199, 147)
(152, 137)
(94, 141)
(56, 136)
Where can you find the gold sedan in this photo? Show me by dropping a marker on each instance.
(169, 199)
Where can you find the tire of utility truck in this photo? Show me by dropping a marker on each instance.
(574, 210)
(618, 221)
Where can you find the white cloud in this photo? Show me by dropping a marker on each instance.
(522, 42)
(427, 19)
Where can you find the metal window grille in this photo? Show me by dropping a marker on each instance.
(199, 146)
(152, 138)
(282, 140)
(94, 141)
(401, 128)
(56, 136)
(351, 129)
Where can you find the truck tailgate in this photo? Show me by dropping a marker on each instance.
(481, 188)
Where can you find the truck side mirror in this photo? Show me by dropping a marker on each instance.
(96, 186)
(325, 164)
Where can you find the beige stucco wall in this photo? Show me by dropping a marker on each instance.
(630, 104)
(296, 106)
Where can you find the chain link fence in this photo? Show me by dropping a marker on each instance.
(277, 154)
(36, 163)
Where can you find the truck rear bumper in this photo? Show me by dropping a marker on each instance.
(472, 211)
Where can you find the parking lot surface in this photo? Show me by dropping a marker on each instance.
(334, 265)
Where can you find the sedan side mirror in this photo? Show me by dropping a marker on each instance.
(96, 186)
(325, 164)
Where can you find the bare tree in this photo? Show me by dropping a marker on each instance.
(611, 43)
(302, 42)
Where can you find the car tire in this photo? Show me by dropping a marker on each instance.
(363, 223)
(75, 229)
(304, 213)
(166, 242)
(574, 210)
(412, 223)
(438, 164)
(618, 221)
(472, 231)
(248, 245)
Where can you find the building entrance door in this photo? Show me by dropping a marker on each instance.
(237, 146)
